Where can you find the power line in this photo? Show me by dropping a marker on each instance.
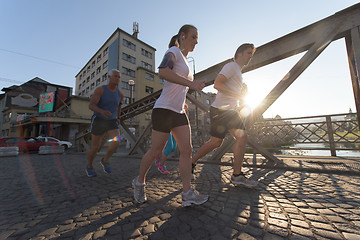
(38, 58)
(10, 80)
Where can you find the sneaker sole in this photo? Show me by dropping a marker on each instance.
(189, 203)
(90, 175)
(104, 168)
(162, 171)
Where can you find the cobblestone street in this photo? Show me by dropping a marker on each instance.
(50, 197)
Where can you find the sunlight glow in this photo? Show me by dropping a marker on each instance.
(252, 100)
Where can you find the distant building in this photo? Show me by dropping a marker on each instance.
(135, 60)
(22, 106)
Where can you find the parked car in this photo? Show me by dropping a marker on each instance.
(25, 144)
(65, 144)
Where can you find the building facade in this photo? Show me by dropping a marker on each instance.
(21, 109)
(134, 59)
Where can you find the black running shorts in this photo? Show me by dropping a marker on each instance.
(224, 120)
(163, 120)
(100, 126)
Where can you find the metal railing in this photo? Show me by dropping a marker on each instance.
(324, 132)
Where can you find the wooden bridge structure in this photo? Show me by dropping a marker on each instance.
(312, 39)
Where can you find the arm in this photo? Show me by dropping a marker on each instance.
(95, 98)
(220, 85)
(166, 72)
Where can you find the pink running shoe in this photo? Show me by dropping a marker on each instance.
(158, 162)
(163, 170)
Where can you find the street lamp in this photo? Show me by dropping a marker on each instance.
(131, 84)
(196, 108)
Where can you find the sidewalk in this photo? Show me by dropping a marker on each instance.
(50, 197)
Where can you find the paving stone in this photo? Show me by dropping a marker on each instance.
(351, 236)
(274, 210)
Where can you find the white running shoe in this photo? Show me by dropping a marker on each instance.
(139, 190)
(242, 180)
(193, 197)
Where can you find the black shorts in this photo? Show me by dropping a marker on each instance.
(100, 126)
(163, 120)
(224, 120)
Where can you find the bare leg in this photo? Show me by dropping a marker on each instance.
(239, 149)
(206, 148)
(182, 135)
(112, 145)
(158, 142)
(95, 145)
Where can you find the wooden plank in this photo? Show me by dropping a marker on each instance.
(293, 43)
(295, 72)
(128, 134)
(136, 145)
(353, 51)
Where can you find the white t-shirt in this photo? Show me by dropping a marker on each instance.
(234, 81)
(173, 95)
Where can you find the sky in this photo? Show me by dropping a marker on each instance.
(54, 39)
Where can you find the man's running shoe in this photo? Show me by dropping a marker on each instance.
(106, 166)
(162, 169)
(139, 190)
(90, 172)
(243, 180)
(193, 197)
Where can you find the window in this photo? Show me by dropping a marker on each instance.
(98, 70)
(128, 72)
(80, 76)
(84, 73)
(146, 65)
(146, 53)
(129, 44)
(79, 85)
(87, 89)
(149, 89)
(128, 58)
(98, 58)
(92, 75)
(103, 78)
(83, 83)
(83, 92)
(98, 82)
(88, 69)
(207, 101)
(105, 51)
(125, 85)
(79, 93)
(149, 76)
(88, 79)
(92, 86)
(161, 81)
(105, 64)
(93, 64)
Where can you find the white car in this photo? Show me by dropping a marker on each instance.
(65, 144)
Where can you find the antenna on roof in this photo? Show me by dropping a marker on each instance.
(135, 29)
